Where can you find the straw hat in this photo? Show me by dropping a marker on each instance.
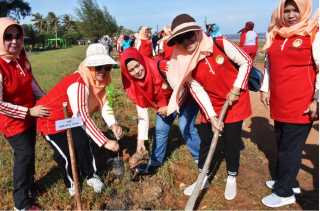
(98, 55)
(181, 24)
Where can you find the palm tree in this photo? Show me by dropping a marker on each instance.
(39, 22)
(53, 22)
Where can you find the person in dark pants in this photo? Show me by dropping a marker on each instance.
(196, 58)
(18, 93)
(85, 93)
(289, 88)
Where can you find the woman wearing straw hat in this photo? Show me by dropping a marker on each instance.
(196, 56)
(290, 91)
(18, 93)
(85, 93)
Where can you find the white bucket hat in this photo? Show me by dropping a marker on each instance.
(97, 55)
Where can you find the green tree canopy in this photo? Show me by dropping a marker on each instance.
(94, 21)
(14, 8)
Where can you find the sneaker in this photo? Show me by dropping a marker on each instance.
(270, 184)
(146, 169)
(230, 191)
(96, 183)
(188, 190)
(72, 191)
(32, 208)
(273, 200)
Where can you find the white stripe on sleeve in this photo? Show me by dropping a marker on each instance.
(107, 114)
(240, 58)
(78, 95)
(265, 82)
(316, 56)
(202, 98)
(143, 123)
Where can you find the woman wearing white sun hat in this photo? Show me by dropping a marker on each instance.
(84, 91)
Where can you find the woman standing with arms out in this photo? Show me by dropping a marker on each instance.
(147, 89)
(18, 93)
(196, 56)
(249, 39)
(85, 93)
(143, 42)
(289, 63)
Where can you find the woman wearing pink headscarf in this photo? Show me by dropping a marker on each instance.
(18, 93)
(289, 89)
(249, 39)
(84, 91)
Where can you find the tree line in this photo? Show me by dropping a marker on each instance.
(91, 22)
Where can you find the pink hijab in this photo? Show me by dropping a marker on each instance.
(5, 23)
(277, 24)
(97, 89)
(182, 64)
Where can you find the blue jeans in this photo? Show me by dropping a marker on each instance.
(187, 117)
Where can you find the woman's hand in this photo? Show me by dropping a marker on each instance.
(39, 111)
(265, 98)
(140, 146)
(215, 124)
(117, 131)
(162, 111)
(313, 109)
(111, 145)
(233, 95)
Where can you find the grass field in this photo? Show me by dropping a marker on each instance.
(165, 189)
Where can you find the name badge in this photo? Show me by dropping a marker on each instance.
(297, 43)
(68, 123)
(219, 59)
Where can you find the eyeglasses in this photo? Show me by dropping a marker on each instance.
(10, 37)
(103, 67)
(186, 36)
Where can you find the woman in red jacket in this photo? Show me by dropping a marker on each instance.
(249, 40)
(143, 42)
(196, 56)
(84, 91)
(146, 88)
(18, 93)
(289, 86)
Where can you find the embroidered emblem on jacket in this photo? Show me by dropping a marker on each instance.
(297, 43)
(219, 59)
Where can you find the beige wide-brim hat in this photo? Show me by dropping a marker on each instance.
(181, 24)
(98, 55)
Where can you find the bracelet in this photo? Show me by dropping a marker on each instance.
(236, 94)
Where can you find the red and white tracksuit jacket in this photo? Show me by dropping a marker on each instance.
(75, 92)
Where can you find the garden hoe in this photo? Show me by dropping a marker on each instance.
(193, 198)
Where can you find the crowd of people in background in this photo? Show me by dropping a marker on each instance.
(178, 72)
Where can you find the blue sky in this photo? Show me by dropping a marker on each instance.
(229, 14)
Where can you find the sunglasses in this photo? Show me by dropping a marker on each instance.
(103, 67)
(186, 36)
(10, 37)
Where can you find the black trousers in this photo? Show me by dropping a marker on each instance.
(290, 141)
(23, 146)
(230, 144)
(85, 160)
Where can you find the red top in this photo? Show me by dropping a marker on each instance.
(150, 91)
(17, 89)
(292, 78)
(53, 101)
(218, 81)
(146, 48)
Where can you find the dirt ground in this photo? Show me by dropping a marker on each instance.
(256, 166)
